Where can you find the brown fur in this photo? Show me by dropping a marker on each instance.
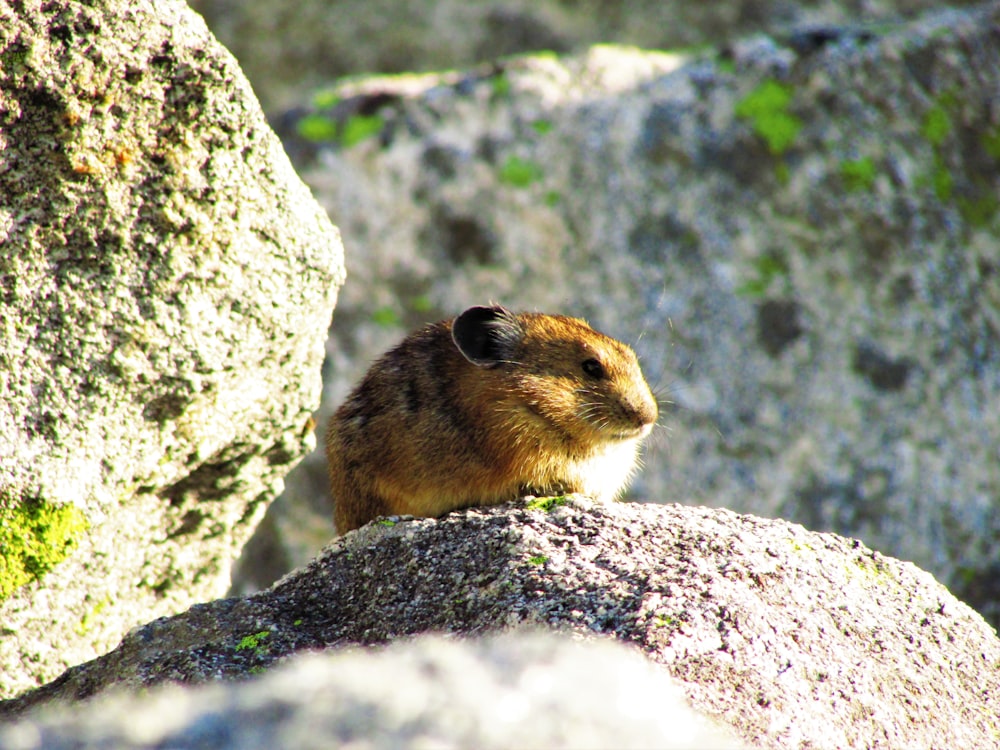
(429, 429)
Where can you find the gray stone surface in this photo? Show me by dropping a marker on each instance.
(793, 638)
(822, 313)
(515, 691)
(166, 285)
(289, 48)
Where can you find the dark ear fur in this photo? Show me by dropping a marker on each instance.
(487, 335)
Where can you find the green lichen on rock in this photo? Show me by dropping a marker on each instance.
(254, 642)
(979, 211)
(666, 621)
(858, 174)
(991, 142)
(386, 317)
(359, 128)
(766, 107)
(323, 128)
(937, 125)
(91, 616)
(872, 571)
(501, 86)
(769, 267)
(326, 99)
(520, 173)
(942, 181)
(35, 536)
(317, 128)
(546, 503)
(542, 126)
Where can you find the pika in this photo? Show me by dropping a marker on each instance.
(484, 408)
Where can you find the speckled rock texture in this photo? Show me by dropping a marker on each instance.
(166, 285)
(800, 237)
(531, 690)
(793, 638)
(289, 47)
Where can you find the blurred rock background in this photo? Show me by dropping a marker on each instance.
(290, 49)
(793, 217)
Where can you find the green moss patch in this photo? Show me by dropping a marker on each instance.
(317, 128)
(320, 128)
(858, 174)
(546, 503)
(991, 142)
(768, 268)
(35, 537)
(359, 128)
(254, 642)
(666, 621)
(421, 304)
(766, 107)
(326, 99)
(541, 126)
(942, 181)
(501, 86)
(91, 616)
(979, 211)
(519, 172)
(937, 125)
(386, 317)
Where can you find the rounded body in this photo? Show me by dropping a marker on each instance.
(483, 409)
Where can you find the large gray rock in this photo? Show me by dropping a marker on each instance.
(525, 690)
(288, 48)
(166, 285)
(802, 241)
(795, 639)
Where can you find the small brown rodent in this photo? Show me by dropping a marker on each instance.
(485, 408)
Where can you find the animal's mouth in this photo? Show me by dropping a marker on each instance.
(632, 433)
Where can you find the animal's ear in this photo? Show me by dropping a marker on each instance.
(487, 335)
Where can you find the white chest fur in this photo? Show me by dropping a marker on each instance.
(604, 474)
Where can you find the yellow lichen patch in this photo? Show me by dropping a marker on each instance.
(35, 537)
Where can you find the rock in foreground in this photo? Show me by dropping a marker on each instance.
(793, 638)
(514, 691)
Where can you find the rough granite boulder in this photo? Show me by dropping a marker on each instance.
(792, 638)
(166, 285)
(800, 236)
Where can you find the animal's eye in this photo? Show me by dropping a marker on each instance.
(592, 368)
